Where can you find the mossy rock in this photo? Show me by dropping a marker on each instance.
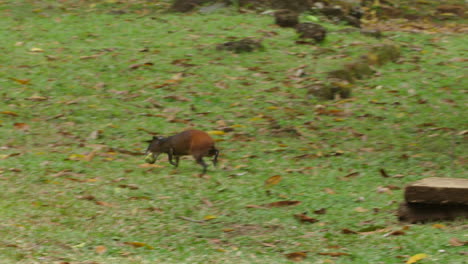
(240, 46)
(286, 18)
(313, 31)
(330, 91)
(383, 53)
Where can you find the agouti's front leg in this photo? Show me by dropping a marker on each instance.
(170, 154)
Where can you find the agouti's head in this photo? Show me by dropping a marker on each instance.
(154, 149)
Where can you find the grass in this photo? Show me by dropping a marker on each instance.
(71, 196)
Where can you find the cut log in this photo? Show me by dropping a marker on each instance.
(421, 213)
(436, 190)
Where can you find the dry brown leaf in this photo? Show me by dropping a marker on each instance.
(455, 242)
(296, 256)
(361, 210)
(20, 81)
(87, 197)
(320, 211)
(90, 156)
(329, 191)
(104, 203)
(95, 134)
(396, 233)
(129, 186)
(100, 249)
(177, 98)
(353, 174)
(21, 126)
(304, 218)
(282, 204)
(37, 98)
(255, 206)
(348, 231)
(10, 113)
(138, 65)
(138, 244)
(383, 173)
(273, 180)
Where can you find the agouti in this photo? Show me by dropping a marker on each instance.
(190, 142)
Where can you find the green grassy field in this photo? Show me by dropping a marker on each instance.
(82, 89)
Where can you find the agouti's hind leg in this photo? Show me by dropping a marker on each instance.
(215, 158)
(202, 163)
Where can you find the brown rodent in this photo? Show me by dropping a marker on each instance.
(190, 142)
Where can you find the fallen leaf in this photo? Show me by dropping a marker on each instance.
(296, 256)
(361, 210)
(9, 113)
(100, 249)
(282, 204)
(87, 197)
(21, 126)
(101, 203)
(6, 156)
(209, 217)
(416, 258)
(254, 206)
(76, 157)
(273, 180)
(90, 156)
(21, 81)
(396, 233)
(383, 173)
(381, 189)
(353, 174)
(177, 98)
(95, 134)
(216, 132)
(320, 211)
(438, 226)
(305, 218)
(129, 186)
(36, 50)
(348, 231)
(138, 244)
(138, 65)
(329, 191)
(455, 242)
(37, 98)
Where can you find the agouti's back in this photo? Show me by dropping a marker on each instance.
(191, 142)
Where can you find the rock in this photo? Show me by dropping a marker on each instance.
(420, 213)
(311, 30)
(382, 53)
(437, 190)
(187, 5)
(239, 46)
(435, 198)
(338, 13)
(286, 18)
(330, 91)
(372, 33)
(458, 10)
